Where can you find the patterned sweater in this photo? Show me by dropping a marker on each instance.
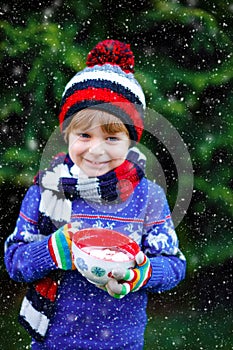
(86, 317)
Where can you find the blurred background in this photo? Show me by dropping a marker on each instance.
(183, 54)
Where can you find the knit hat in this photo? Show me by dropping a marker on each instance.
(107, 83)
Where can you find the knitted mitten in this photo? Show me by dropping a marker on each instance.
(60, 247)
(130, 280)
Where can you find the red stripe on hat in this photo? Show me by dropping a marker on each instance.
(107, 96)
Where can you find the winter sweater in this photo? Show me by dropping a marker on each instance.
(86, 317)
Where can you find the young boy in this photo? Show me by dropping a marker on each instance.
(99, 183)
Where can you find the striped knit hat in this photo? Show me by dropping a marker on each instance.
(108, 84)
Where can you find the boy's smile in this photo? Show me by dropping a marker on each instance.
(93, 164)
(96, 152)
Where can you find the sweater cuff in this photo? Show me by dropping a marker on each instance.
(157, 264)
(39, 254)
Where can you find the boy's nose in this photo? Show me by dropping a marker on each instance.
(97, 148)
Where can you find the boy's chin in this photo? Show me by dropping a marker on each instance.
(98, 170)
(94, 172)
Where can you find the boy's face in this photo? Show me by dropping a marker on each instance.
(97, 152)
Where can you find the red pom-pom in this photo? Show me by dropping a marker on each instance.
(113, 52)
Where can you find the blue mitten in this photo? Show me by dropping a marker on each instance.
(130, 280)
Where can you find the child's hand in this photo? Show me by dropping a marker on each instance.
(60, 247)
(130, 280)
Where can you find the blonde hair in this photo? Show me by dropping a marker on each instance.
(85, 118)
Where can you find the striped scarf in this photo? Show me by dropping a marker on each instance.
(116, 185)
(60, 184)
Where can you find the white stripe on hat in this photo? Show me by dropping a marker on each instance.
(97, 72)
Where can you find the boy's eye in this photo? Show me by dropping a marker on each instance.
(112, 138)
(84, 135)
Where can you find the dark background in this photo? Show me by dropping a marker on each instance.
(183, 54)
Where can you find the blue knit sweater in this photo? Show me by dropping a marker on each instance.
(86, 317)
